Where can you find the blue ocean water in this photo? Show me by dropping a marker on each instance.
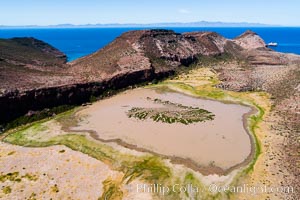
(78, 42)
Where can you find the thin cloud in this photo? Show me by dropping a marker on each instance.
(184, 11)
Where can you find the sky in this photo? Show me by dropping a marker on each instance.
(52, 12)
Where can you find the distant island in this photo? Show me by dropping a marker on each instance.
(150, 25)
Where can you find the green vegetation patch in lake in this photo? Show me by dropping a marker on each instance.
(171, 113)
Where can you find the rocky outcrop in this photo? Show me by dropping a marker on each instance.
(208, 43)
(249, 40)
(34, 75)
(255, 52)
(160, 50)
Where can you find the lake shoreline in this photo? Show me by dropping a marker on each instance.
(205, 170)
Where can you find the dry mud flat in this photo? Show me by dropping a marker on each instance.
(222, 142)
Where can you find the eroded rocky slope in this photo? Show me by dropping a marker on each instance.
(35, 75)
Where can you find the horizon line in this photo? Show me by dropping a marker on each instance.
(160, 24)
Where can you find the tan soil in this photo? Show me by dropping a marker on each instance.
(76, 175)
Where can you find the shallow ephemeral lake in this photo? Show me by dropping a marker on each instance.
(220, 140)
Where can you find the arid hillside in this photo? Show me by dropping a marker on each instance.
(35, 75)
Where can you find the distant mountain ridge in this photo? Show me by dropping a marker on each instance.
(150, 25)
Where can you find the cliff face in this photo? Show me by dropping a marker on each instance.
(34, 75)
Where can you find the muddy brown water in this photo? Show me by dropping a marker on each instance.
(222, 142)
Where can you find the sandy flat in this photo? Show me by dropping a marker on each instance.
(75, 175)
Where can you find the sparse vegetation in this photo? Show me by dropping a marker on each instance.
(30, 177)
(32, 196)
(93, 98)
(12, 176)
(112, 190)
(149, 169)
(15, 177)
(172, 113)
(11, 153)
(6, 190)
(54, 188)
(35, 116)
